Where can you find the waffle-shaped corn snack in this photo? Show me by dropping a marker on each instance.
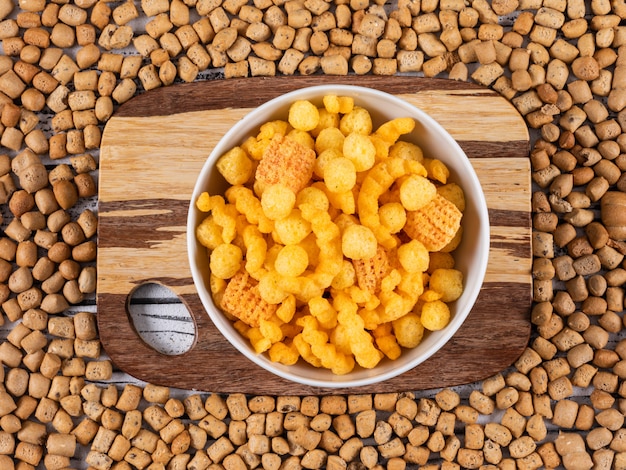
(286, 162)
(242, 300)
(435, 224)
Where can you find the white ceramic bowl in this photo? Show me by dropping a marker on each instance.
(471, 256)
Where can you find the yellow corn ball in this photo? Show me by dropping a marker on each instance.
(203, 203)
(292, 229)
(322, 160)
(287, 309)
(235, 166)
(292, 260)
(314, 196)
(271, 330)
(284, 353)
(303, 115)
(358, 242)
(408, 330)
(225, 260)
(331, 103)
(393, 129)
(393, 216)
(255, 148)
(437, 170)
(327, 120)
(269, 129)
(323, 312)
(453, 193)
(406, 150)
(360, 150)
(440, 259)
(277, 201)
(329, 138)
(358, 120)
(339, 175)
(346, 277)
(209, 234)
(413, 256)
(269, 289)
(416, 191)
(302, 137)
(448, 282)
(435, 315)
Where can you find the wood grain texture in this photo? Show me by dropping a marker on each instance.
(155, 145)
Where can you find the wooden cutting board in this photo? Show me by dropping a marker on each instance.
(155, 145)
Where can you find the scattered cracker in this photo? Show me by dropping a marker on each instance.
(243, 300)
(435, 224)
(286, 162)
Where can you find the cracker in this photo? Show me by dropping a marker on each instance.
(286, 162)
(370, 272)
(242, 299)
(435, 224)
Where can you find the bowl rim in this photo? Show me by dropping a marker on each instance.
(225, 327)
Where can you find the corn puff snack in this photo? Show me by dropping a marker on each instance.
(334, 244)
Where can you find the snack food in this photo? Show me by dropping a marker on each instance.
(323, 253)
